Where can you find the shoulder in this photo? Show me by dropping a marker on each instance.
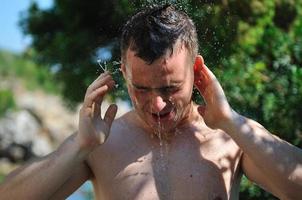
(218, 144)
(120, 135)
(122, 126)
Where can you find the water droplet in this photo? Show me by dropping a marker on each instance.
(104, 68)
(159, 129)
(116, 62)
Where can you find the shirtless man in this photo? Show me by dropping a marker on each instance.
(167, 147)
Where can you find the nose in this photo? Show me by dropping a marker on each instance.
(158, 104)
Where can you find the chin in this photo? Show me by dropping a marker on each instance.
(164, 126)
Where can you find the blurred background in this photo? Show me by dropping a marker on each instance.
(50, 49)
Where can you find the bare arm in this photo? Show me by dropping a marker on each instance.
(269, 161)
(41, 178)
(81, 174)
(60, 173)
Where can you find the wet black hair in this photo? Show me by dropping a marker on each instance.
(154, 30)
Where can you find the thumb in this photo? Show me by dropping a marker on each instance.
(108, 119)
(110, 114)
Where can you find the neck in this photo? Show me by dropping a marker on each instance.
(189, 116)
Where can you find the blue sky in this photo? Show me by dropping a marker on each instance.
(11, 37)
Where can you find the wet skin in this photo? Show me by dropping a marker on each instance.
(197, 163)
(160, 92)
(192, 161)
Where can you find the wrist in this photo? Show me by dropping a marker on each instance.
(71, 149)
(231, 121)
(81, 148)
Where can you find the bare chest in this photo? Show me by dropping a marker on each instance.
(188, 170)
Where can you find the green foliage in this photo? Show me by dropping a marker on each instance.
(265, 73)
(70, 34)
(32, 75)
(248, 190)
(7, 101)
(2, 176)
(254, 47)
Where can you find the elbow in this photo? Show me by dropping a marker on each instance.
(288, 189)
(296, 196)
(291, 187)
(292, 191)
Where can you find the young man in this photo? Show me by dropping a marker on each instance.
(167, 147)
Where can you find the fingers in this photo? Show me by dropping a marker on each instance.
(92, 97)
(96, 109)
(103, 79)
(206, 83)
(110, 114)
(97, 90)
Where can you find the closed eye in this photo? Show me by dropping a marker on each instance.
(164, 90)
(169, 89)
(141, 88)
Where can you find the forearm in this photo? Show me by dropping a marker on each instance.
(40, 179)
(278, 159)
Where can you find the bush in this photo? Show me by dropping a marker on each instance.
(7, 101)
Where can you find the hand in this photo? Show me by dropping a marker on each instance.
(93, 130)
(217, 110)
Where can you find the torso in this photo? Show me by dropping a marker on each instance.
(197, 163)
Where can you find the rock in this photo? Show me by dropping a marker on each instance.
(21, 137)
(56, 119)
(41, 123)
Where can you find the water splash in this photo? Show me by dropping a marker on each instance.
(103, 66)
(109, 66)
(177, 132)
(159, 130)
(163, 162)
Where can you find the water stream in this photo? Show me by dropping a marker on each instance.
(163, 179)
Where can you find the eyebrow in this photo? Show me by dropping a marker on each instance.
(176, 84)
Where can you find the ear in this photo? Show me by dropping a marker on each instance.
(199, 62)
(123, 68)
(198, 68)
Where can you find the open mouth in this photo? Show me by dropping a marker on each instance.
(162, 116)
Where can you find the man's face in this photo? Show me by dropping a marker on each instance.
(161, 92)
